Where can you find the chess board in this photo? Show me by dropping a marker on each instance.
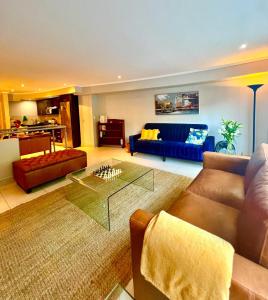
(107, 172)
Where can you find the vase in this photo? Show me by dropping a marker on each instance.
(223, 147)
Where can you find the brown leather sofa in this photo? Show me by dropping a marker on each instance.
(31, 172)
(228, 198)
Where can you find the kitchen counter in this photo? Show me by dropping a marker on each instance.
(31, 128)
(15, 132)
(32, 136)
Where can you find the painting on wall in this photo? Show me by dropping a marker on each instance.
(177, 103)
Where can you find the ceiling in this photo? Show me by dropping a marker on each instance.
(48, 44)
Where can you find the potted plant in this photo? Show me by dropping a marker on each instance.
(230, 129)
(24, 120)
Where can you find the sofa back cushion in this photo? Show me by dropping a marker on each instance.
(174, 132)
(258, 158)
(253, 220)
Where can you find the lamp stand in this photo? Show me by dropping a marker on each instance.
(254, 87)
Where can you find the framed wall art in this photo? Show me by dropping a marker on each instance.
(177, 103)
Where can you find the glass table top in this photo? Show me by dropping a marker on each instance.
(92, 187)
(129, 172)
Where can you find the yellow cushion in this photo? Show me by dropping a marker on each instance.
(155, 134)
(144, 134)
(149, 134)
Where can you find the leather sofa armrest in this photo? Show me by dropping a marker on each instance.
(143, 290)
(132, 141)
(249, 280)
(229, 163)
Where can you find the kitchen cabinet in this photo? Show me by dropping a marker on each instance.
(41, 107)
(44, 105)
(68, 111)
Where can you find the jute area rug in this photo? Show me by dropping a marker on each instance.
(50, 249)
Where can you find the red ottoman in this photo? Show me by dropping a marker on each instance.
(31, 172)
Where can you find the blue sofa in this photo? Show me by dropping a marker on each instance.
(173, 142)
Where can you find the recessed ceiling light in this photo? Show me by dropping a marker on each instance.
(243, 46)
(22, 85)
(119, 77)
(64, 84)
(12, 90)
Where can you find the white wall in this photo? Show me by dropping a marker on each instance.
(9, 152)
(23, 108)
(262, 115)
(4, 111)
(87, 120)
(216, 101)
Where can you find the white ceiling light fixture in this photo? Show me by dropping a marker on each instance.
(119, 77)
(22, 85)
(243, 46)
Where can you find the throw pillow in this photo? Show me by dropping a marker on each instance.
(149, 134)
(155, 134)
(197, 136)
(144, 134)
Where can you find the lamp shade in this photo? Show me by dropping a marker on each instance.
(254, 87)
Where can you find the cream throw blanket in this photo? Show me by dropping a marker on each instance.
(184, 261)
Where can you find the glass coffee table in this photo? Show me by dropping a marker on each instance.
(119, 293)
(92, 187)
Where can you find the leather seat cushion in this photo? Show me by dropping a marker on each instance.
(207, 214)
(34, 163)
(253, 220)
(220, 186)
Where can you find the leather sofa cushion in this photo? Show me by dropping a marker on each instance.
(34, 163)
(220, 186)
(253, 220)
(258, 158)
(207, 214)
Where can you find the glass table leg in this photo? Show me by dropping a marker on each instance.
(90, 202)
(118, 293)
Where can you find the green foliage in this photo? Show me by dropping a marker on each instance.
(230, 130)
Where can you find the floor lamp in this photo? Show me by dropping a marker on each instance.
(254, 87)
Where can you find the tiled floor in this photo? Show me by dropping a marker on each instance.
(12, 195)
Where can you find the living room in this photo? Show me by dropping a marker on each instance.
(123, 135)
